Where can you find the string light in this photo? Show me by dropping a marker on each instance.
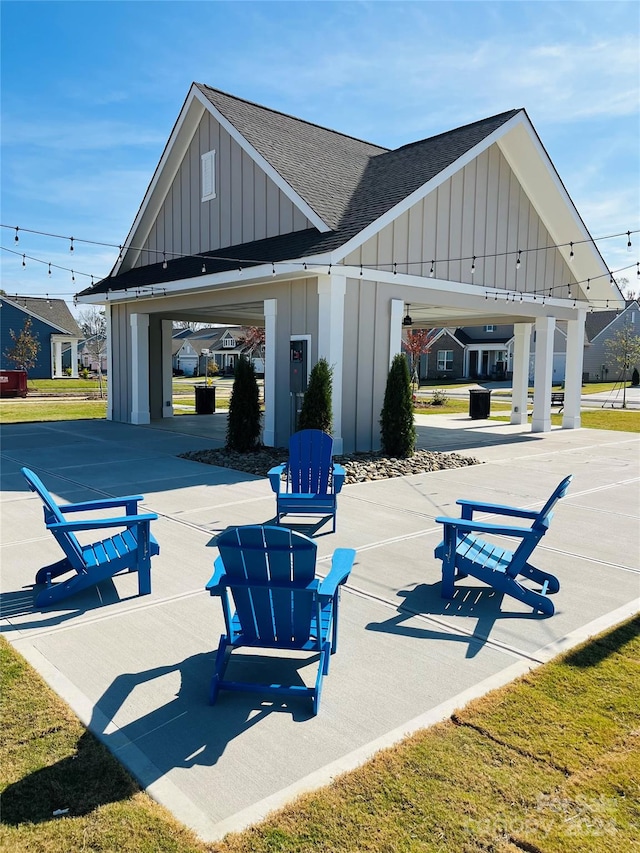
(71, 244)
(571, 255)
(204, 269)
(24, 263)
(518, 261)
(164, 261)
(360, 269)
(273, 268)
(628, 241)
(473, 265)
(49, 269)
(431, 271)
(395, 269)
(16, 238)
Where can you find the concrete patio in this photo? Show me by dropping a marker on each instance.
(136, 670)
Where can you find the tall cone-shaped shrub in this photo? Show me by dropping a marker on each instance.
(316, 410)
(397, 426)
(243, 424)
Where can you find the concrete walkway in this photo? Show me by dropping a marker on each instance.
(136, 670)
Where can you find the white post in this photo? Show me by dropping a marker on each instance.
(74, 358)
(140, 369)
(331, 293)
(167, 368)
(573, 372)
(57, 359)
(541, 421)
(520, 381)
(110, 383)
(270, 319)
(395, 329)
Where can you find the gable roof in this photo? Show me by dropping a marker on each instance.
(597, 321)
(54, 312)
(348, 182)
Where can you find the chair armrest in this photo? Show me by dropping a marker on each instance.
(130, 502)
(341, 566)
(470, 526)
(497, 508)
(339, 474)
(99, 523)
(275, 476)
(215, 584)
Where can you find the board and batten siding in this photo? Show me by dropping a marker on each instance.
(481, 210)
(247, 206)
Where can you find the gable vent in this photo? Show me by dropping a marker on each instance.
(208, 175)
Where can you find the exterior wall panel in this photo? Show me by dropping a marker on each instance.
(248, 205)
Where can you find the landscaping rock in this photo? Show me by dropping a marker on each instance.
(360, 467)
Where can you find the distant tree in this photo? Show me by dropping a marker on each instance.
(188, 324)
(25, 349)
(624, 351)
(316, 412)
(416, 343)
(253, 340)
(93, 324)
(243, 424)
(397, 427)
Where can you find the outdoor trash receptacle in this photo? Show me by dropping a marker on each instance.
(13, 383)
(205, 399)
(479, 403)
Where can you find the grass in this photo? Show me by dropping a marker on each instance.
(620, 420)
(65, 385)
(549, 763)
(30, 411)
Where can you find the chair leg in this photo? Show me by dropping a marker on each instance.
(220, 666)
(537, 575)
(144, 579)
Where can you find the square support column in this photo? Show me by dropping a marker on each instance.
(573, 372)
(520, 381)
(270, 318)
(395, 328)
(140, 369)
(74, 358)
(331, 294)
(167, 369)
(110, 388)
(543, 373)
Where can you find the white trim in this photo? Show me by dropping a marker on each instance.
(270, 309)
(110, 382)
(543, 372)
(634, 305)
(331, 294)
(424, 190)
(395, 328)
(42, 319)
(275, 176)
(140, 369)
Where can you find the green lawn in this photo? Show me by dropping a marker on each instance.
(548, 763)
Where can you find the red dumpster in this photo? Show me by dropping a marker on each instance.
(13, 383)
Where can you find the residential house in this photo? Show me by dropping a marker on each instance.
(600, 328)
(223, 345)
(54, 327)
(258, 218)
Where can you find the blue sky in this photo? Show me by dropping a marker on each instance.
(91, 90)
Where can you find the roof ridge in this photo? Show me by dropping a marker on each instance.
(509, 113)
(382, 148)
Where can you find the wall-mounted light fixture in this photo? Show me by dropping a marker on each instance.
(406, 320)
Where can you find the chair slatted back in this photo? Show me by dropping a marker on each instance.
(539, 527)
(310, 462)
(271, 575)
(52, 514)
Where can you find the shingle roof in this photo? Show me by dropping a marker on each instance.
(597, 321)
(348, 182)
(54, 311)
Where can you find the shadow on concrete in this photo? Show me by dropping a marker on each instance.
(481, 603)
(186, 730)
(599, 649)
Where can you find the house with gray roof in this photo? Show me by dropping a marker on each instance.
(600, 328)
(53, 326)
(257, 218)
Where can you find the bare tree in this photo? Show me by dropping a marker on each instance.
(93, 323)
(624, 350)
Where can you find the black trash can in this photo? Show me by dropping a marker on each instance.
(205, 399)
(479, 403)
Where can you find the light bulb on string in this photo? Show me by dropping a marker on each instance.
(16, 238)
(71, 247)
(360, 269)
(395, 269)
(588, 284)
(638, 269)
(473, 265)
(628, 241)
(24, 262)
(204, 269)
(431, 271)
(164, 261)
(571, 255)
(49, 269)
(273, 269)
(518, 261)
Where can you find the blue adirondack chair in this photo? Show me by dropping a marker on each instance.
(311, 479)
(129, 550)
(268, 573)
(464, 553)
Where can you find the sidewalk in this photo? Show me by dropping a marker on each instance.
(136, 670)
